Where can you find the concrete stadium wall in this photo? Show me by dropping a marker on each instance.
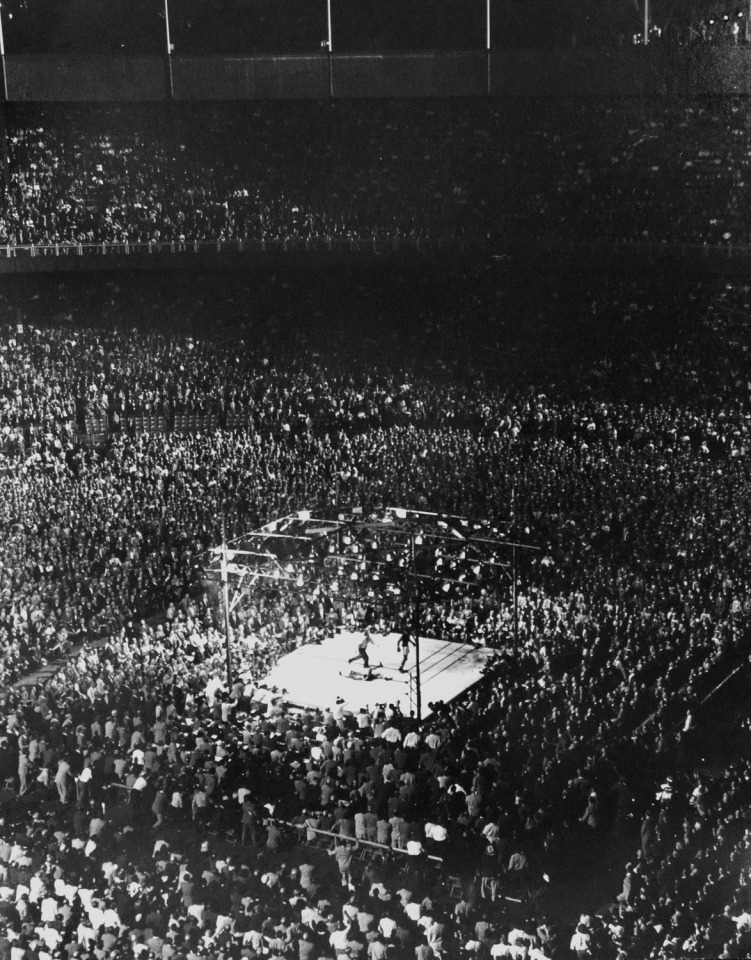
(63, 79)
(438, 74)
(656, 71)
(251, 78)
(565, 73)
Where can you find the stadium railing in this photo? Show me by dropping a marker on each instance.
(297, 244)
(374, 244)
(327, 840)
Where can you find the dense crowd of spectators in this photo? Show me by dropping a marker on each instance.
(628, 467)
(663, 171)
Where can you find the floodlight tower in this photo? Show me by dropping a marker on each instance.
(3, 109)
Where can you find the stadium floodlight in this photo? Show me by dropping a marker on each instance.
(2, 58)
(328, 46)
(170, 49)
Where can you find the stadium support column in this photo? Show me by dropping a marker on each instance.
(329, 47)
(225, 595)
(416, 628)
(169, 83)
(4, 111)
(646, 22)
(514, 586)
(487, 45)
(515, 601)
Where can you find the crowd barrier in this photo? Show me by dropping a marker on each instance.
(328, 840)
(293, 244)
(215, 254)
(373, 244)
(195, 422)
(324, 840)
(238, 419)
(147, 423)
(230, 255)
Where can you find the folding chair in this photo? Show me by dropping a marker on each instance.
(456, 888)
(533, 895)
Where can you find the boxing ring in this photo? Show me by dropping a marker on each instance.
(316, 675)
